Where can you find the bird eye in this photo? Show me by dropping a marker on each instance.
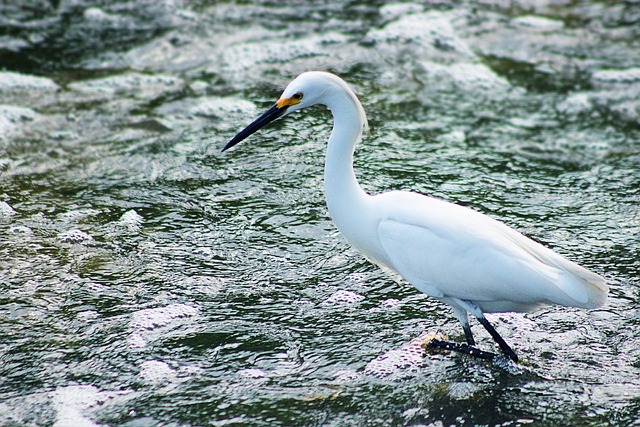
(297, 96)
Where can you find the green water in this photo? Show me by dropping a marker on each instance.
(149, 280)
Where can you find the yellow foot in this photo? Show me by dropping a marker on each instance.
(427, 337)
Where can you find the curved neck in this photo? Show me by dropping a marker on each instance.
(342, 190)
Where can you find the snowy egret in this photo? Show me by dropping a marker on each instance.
(466, 259)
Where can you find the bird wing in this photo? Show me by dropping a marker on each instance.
(447, 250)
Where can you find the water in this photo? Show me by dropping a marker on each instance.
(149, 280)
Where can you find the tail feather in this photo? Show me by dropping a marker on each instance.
(586, 288)
(596, 287)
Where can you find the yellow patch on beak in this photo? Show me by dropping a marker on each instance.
(287, 102)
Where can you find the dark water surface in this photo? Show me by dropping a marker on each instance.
(149, 280)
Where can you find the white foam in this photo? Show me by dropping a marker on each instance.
(97, 15)
(390, 303)
(347, 375)
(343, 297)
(575, 103)
(453, 137)
(6, 209)
(628, 75)
(71, 403)
(131, 220)
(221, 107)
(151, 318)
(538, 23)
(78, 214)
(138, 85)
(245, 56)
(392, 11)
(467, 76)
(74, 236)
(462, 390)
(135, 340)
(21, 230)
(144, 322)
(17, 81)
(428, 34)
(157, 372)
(253, 373)
(11, 117)
(410, 355)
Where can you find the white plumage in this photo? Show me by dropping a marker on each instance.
(468, 260)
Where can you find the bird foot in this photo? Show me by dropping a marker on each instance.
(438, 344)
(439, 335)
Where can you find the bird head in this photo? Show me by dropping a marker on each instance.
(299, 94)
(308, 89)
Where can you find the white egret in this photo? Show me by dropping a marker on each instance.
(466, 259)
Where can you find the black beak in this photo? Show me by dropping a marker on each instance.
(270, 115)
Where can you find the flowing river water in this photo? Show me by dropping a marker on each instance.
(149, 280)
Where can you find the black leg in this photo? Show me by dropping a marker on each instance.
(496, 336)
(468, 334)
